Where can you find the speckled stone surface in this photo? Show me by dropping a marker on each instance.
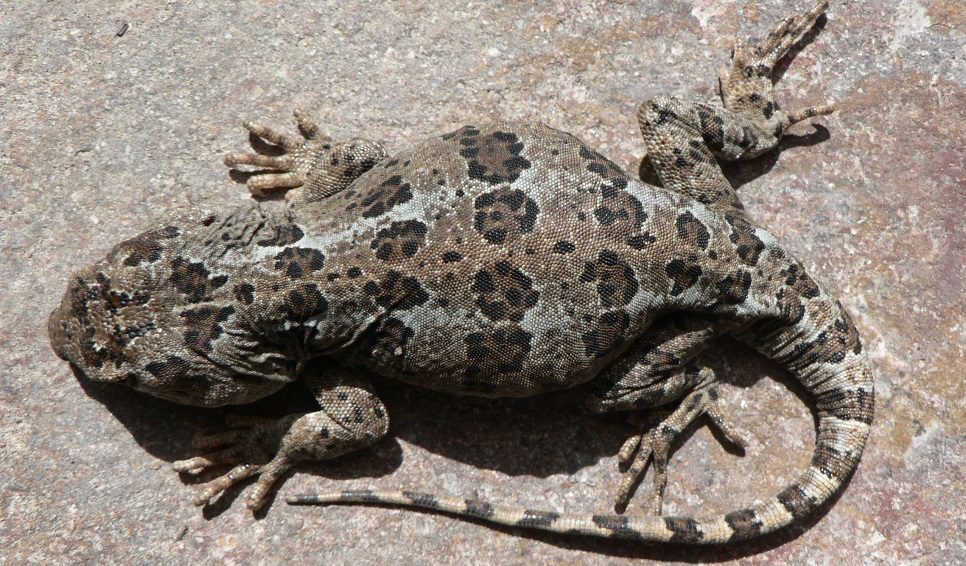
(100, 131)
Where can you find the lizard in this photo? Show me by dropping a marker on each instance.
(502, 260)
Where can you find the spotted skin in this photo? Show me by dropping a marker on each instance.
(500, 259)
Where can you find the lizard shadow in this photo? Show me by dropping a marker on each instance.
(537, 436)
(542, 436)
(166, 430)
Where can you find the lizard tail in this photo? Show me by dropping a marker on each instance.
(821, 348)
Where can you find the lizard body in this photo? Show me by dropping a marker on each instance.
(500, 260)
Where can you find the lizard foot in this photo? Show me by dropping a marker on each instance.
(662, 428)
(746, 88)
(255, 446)
(288, 161)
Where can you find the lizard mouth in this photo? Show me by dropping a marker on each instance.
(79, 333)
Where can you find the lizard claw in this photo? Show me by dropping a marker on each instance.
(645, 448)
(751, 57)
(654, 446)
(287, 161)
(747, 89)
(252, 446)
(218, 485)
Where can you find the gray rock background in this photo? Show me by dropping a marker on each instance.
(100, 133)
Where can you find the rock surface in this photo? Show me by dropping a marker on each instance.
(102, 130)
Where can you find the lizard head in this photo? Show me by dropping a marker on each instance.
(159, 317)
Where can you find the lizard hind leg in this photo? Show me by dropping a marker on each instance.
(313, 167)
(662, 427)
(685, 140)
(650, 377)
(747, 87)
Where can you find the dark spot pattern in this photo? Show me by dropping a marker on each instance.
(145, 247)
(691, 230)
(733, 288)
(172, 373)
(797, 286)
(747, 244)
(712, 127)
(494, 158)
(563, 247)
(128, 332)
(659, 360)
(600, 165)
(769, 109)
(617, 209)
(796, 501)
(791, 307)
(684, 529)
(748, 138)
(115, 342)
(698, 152)
(831, 463)
(620, 211)
(400, 240)
(79, 295)
(641, 241)
(848, 405)
(94, 355)
(392, 336)
(831, 346)
(503, 292)
(493, 353)
(111, 347)
(388, 194)
(244, 293)
(479, 508)
(683, 274)
(745, 524)
(616, 281)
(282, 235)
(363, 495)
(397, 292)
(191, 279)
(607, 335)
(422, 499)
(617, 524)
(533, 518)
(203, 326)
(114, 300)
(662, 110)
(504, 214)
(304, 302)
(799, 282)
(297, 262)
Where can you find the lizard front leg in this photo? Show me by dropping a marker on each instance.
(350, 418)
(315, 165)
